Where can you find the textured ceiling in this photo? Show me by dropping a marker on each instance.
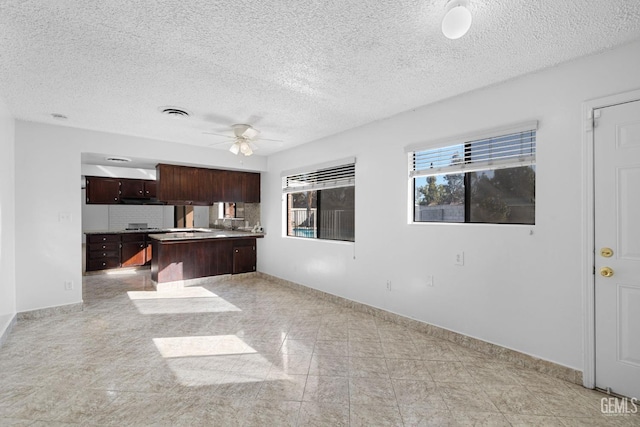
(296, 70)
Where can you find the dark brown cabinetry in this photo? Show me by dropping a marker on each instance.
(103, 251)
(102, 190)
(244, 256)
(182, 185)
(132, 188)
(190, 259)
(116, 250)
(133, 252)
(251, 188)
(150, 189)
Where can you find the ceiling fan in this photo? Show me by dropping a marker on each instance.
(243, 140)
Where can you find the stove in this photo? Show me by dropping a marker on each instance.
(140, 226)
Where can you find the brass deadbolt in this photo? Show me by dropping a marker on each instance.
(606, 252)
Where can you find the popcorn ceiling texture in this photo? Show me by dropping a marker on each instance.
(298, 71)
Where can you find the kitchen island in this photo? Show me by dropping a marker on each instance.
(181, 256)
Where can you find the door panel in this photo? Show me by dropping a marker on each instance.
(617, 227)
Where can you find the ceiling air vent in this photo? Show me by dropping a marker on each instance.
(117, 159)
(174, 112)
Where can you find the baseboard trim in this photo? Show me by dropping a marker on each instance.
(50, 311)
(5, 334)
(501, 353)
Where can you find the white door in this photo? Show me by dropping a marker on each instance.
(617, 247)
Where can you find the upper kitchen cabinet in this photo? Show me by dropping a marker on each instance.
(132, 188)
(181, 185)
(251, 188)
(113, 191)
(102, 190)
(150, 189)
(201, 186)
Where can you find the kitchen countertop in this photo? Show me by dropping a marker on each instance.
(159, 232)
(201, 234)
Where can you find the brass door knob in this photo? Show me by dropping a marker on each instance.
(606, 272)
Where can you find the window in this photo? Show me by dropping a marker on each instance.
(487, 179)
(320, 202)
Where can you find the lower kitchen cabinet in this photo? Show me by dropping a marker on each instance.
(244, 257)
(114, 250)
(175, 260)
(133, 252)
(103, 251)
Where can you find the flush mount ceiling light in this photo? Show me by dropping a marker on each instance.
(457, 19)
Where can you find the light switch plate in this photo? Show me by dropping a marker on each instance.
(459, 260)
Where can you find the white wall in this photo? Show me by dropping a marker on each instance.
(7, 218)
(517, 290)
(48, 171)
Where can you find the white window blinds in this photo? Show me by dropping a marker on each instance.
(320, 177)
(494, 152)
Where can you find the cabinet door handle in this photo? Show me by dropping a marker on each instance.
(104, 246)
(104, 263)
(104, 239)
(104, 254)
(142, 246)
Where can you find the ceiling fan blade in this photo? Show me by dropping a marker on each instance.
(218, 134)
(218, 143)
(250, 133)
(270, 140)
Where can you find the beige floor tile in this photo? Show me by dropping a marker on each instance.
(291, 359)
(327, 389)
(371, 391)
(264, 413)
(329, 365)
(420, 417)
(365, 349)
(480, 419)
(422, 394)
(408, 369)
(320, 414)
(516, 400)
(448, 371)
(15, 422)
(462, 397)
(290, 388)
(374, 415)
(331, 348)
(297, 346)
(518, 420)
(401, 349)
(373, 367)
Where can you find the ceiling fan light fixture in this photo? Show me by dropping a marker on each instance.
(245, 148)
(235, 148)
(457, 20)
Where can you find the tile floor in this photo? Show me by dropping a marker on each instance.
(248, 352)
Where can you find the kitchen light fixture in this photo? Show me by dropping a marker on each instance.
(457, 19)
(241, 146)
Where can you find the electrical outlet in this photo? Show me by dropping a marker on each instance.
(429, 281)
(389, 285)
(64, 217)
(459, 260)
(68, 285)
